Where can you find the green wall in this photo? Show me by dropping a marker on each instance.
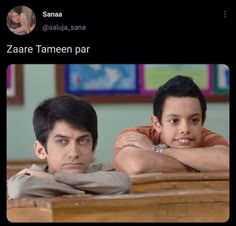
(39, 83)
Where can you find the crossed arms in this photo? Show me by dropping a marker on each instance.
(35, 183)
(137, 155)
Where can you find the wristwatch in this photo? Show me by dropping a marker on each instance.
(160, 148)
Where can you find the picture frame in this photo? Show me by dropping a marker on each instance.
(143, 95)
(152, 76)
(96, 79)
(221, 79)
(99, 95)
(14, 84)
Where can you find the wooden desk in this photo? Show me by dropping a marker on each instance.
(152, 182)
(25, 162)
(198, 205)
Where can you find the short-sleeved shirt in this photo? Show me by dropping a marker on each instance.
(208, 138)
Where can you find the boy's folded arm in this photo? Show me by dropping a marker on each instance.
(100, 182)
(20, 186)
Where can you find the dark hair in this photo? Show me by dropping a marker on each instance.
(18, 9)
(178, 86)
(77, 112)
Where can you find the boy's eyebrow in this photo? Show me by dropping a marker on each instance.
(60, 135)
(84, 136)
(175, 115)
(64, 136)
(172, 115)
(196, 114)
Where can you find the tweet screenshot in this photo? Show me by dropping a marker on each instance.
(116, 113)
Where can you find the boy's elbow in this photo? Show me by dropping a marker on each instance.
(226, 166)
(126, 185)
(224, 162)
(14, 191)
(16, 187)
(16, 194)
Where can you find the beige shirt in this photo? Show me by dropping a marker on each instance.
(98, 179)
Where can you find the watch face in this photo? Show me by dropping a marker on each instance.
(160, 147)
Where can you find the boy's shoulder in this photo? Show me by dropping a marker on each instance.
(38, 167)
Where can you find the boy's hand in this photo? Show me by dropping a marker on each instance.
(137, 140)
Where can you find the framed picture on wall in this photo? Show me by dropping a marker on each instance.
(151, 76)
(99, 83)
(87, 79)
(221, 78)
(129, 83)
(14, 84)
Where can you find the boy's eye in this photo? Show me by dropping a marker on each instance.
(195, 120)
(62, 141)
(173, 120)
(84, 141)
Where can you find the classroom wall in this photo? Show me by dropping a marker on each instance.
(39, 83)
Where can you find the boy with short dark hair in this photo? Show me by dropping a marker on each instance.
(176, 141)
(66, 136)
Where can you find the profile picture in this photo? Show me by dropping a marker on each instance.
(21, 20)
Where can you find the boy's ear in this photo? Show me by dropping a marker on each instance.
(40, 150)
(94, 150)
(156, 124)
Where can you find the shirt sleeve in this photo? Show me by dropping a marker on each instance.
(210, 139)
(100, 182)
(20, 186)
